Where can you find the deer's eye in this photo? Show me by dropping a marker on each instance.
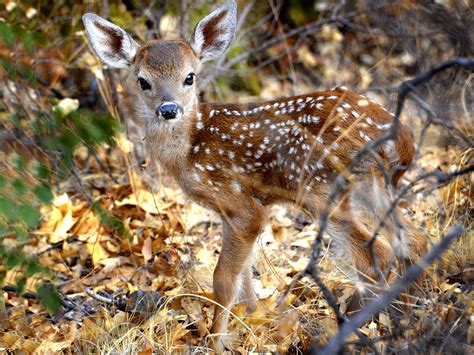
(144, 84)
(189, 79)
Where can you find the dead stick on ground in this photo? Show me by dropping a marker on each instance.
(337, 342)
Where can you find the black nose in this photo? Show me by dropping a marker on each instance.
(168, 110)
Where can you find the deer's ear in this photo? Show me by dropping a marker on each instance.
(112, 45)
(215, 32)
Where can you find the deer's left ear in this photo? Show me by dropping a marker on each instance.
(215, 32)
(111, 44)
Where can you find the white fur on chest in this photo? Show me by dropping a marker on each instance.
(169, 144)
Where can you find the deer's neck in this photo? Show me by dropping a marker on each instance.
(169, 143)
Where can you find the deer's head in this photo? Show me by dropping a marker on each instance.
(166, 71)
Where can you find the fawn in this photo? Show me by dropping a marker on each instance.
(235, 159)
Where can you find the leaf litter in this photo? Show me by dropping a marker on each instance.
(146, 287)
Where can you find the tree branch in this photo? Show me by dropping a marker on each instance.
(415, 271)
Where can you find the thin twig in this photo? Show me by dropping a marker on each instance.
(100, 298)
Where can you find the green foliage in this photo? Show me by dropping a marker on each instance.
(300, 12)
(7, 208)
(21, 285)
(6, 34)
(67, 133)
(128, 21)
(43, 193)
(19, 187)
(20, 198)
(247, 81)
(49, 297)
(17, 258)
(29, 215)
(41, 171)
(26, 184)
(3, 182)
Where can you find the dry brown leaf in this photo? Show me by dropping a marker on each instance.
(111, 264)
(147, 201)
(98, 252)
(50, 223)
(60, 233)
(59, 340)
(87, 225)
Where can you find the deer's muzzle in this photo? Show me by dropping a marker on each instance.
(169, 110)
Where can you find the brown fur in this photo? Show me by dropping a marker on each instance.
(165, 56)
(405, 151)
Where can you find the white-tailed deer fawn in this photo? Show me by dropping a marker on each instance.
(235, 159)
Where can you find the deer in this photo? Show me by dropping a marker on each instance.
(237, 159)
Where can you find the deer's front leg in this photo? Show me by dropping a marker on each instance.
(240, 230)
(247, 293)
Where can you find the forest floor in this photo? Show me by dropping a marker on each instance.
(151, 272)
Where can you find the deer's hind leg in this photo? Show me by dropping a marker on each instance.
(365, 260)
(371, 200)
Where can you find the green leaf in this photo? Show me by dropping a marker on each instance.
(41, 171)
(3, 182)
(67, 142)
(14, 259)
(3, 228)
(22, 235)
(19, 162)
(6, 34)
(49, 298)
(28, 40)
(19, 187)
(20, 286)
(29, 215)
(9, 67)
(43, 193)
(34, 268)
(7, 208)
(112, 222)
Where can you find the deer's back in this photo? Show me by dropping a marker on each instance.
(275, 149)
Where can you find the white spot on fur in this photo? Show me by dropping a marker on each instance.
(236, 186)
(199, 166)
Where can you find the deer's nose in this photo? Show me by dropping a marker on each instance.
(168, 110)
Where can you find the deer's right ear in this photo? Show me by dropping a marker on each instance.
(112, 45)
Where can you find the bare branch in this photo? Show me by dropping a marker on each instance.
(415, 271)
